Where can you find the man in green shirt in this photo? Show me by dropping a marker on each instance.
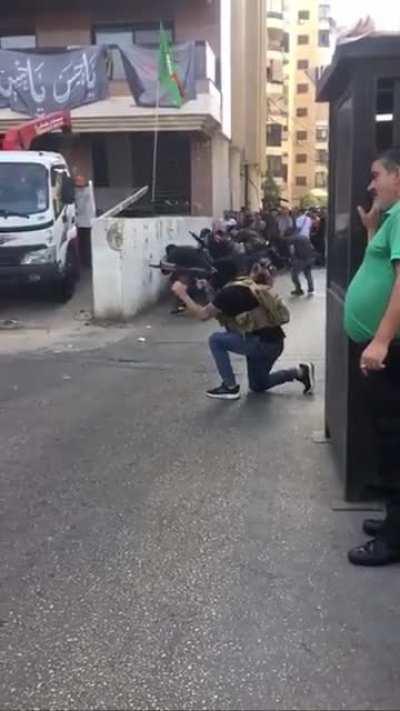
(372, 320)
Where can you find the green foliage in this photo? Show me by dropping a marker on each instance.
(271, 192)
(311, 200)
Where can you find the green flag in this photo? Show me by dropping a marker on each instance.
(167, 75)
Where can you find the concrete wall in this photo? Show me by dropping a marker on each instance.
(226, 72)
(238, 65)
(237, 192)
(201, 175)
(248, 88)
(256, 63)
(254, 187)
(221, 176)
(122, 249)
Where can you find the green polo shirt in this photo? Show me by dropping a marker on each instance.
(371, 288)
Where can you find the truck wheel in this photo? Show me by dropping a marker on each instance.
(66, 287)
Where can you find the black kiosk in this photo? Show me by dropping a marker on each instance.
(362, 87)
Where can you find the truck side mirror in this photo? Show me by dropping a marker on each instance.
(67, 190)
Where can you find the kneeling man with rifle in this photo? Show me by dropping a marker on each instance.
(253, 318)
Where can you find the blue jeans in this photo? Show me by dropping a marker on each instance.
(260, 355)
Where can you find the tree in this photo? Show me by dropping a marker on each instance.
(311, 200)
(271, 192)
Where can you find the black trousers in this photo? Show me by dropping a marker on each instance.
(85, 247)
(382, 394)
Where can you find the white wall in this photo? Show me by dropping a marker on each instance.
(221, 182)
(237, 197)
(226, 72)
(255, 193)
(122, 249)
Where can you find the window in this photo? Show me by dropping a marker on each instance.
(301, 135)
(303, 15)
(322, 156)
(302, 88)
(301, 180)
(324, 38)
(274, 166)
(303, 64)
(124, 36)
(275, 38)
(303, 39)
(274, 134)
(301, 112)
(285, 172)
(275, 71)
(17, 42)
(24, 188)
(324, 12)
(321, 180)
(57, 174)
(321, 134)
(149, 37)
(301, 158)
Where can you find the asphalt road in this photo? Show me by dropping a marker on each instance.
(163, 551)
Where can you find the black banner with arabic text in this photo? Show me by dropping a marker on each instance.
(38, 84)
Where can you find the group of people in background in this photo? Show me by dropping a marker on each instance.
(291, 239)
(239, 257)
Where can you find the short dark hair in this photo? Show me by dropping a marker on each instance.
(390, 158)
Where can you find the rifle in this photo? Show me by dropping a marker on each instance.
(202, 242)
(176, 271)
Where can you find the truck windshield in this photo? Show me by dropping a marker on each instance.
(24, 189)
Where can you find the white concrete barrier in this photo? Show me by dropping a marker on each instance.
(122, 249)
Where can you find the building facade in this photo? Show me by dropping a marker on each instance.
(298, 127)
(277, 93)
(311, 52)
(211, 152)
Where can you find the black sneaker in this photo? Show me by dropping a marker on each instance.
(224, 393)
(374, 553)
(297, 292)
(373, 526)
(307, 377)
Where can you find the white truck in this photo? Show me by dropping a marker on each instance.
(38, 233)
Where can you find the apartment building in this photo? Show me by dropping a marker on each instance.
(298, 48)
(211, 151)
(277, 93)
(310, 52)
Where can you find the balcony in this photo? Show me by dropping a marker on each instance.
(119, 113)
(275, 20)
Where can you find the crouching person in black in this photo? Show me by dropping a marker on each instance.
(253, 317)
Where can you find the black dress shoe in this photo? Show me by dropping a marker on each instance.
(373, 526)
(374, 553)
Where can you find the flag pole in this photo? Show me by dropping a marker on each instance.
(156, 132)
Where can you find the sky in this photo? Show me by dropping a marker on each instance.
(386, 13)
